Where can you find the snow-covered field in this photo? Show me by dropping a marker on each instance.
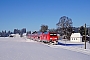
(25, 49)
(76, 44)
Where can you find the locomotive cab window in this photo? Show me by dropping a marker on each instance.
(53, 34)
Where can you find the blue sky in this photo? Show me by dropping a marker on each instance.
(31, 14)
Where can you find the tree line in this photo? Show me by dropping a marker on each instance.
(65, 28)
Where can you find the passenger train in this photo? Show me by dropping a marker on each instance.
(46, 37)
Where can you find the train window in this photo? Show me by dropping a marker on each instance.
(53, 34)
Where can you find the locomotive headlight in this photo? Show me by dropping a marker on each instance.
(51, 34)
(50, 38)
(54, 34)
(55, 38)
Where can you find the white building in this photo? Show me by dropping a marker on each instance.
(15, 35)
(76, 37)
(24, 34)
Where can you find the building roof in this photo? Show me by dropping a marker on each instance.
(76, 35)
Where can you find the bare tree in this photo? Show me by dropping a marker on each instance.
(44, 28)
(52, 30)
(64, 25)
(82, 30)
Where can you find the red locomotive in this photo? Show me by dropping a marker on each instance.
(48, 37)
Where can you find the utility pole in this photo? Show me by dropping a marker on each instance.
(85, 36)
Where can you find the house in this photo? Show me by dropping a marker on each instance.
(76, 37)
(24, 34)
(14, 35)
(11, 35)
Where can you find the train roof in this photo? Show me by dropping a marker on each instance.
(48, 32)
(39, 32)
(45, 32)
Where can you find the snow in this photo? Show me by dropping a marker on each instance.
(76, 44)
(76, 35)
(25, 49)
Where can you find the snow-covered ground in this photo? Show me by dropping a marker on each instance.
(25, 49)
(76, 44)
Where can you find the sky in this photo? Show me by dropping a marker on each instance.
(31, 14)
